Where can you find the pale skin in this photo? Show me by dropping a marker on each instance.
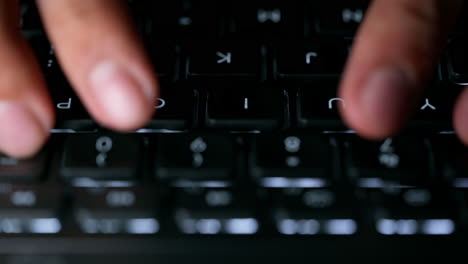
(101, 54)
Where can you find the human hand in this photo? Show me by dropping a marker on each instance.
(394, 56)
(102, 56)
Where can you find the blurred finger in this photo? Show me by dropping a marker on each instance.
(392, 59)
(103, 58)
(26, 115)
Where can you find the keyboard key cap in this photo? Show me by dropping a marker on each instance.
(27, 170)
(215, 211)
(315, 212)
(237, 60)
(416, 211)
(317, 105)
(266, 20)
(436, 107)
(310, 60)
(293, 160)
(92, 159)
(451, 157)
(394, 162)
(164, 55)
(116, 211)
(457, 61)
(463, 196)
(30, 210)
(185, 19)
(245, 106)
(175, 109)
(70, 112)
(339, 18)
(186, 160)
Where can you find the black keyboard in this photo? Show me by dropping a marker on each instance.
(247, 158)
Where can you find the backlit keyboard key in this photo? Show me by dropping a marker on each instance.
(184, 19)
(316, 211)
(245, 106)
(395, 162)
(435, 109)
(165, 57)
(451, 157)
(237, 60)
(311, 59)
(31, 210)
(416, 211)
(185, 160)
(293, 160)
(338, 18)
(175, 108)
(70, 112)
(214, 211)
(266, 20)
(116, 211)
(26, 170)
(92, 158)
(318, 105)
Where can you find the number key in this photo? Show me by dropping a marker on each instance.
(282, 161)
(195, 159)
(397, 162)
(100, 157)
(14, 170)
(336, 19)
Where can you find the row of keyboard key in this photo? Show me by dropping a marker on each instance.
(245, 106)
(296, 19)
(212, 211)
(235, 19)
(223, 90)
(228, 19)
(240, 184)
(236, 59)
(273, 160)
(239, 19)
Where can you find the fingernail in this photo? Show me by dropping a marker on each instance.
(121, 94)
(21, 133)
(387, 98)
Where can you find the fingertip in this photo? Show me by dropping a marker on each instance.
(113, 77)
(131, 122)
(23, 132)
(392, 58)
(365, 128)
(125, 101)
(379, 106)
(460, 118)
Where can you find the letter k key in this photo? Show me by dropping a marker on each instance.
(224, 57)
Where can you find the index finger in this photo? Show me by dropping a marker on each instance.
(104, 59)
(393, 57)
